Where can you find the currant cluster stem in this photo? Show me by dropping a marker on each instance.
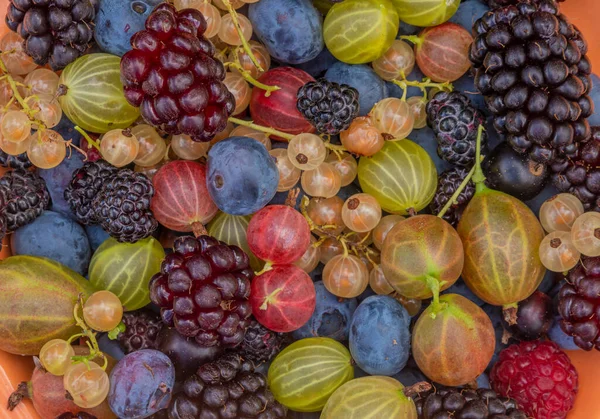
(236, 23)
(87, 137)
(423, 85)
(266, 130)
(248, 77)
(91, 342)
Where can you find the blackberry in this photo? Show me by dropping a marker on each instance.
(329, 107)
(86, 183)
(55, 31)
(123, 206)
(260, 344)
(226, 388)
(448, 183)
(20, 161)
(482, 403)
(25, 195)
(579, 304)
(580, 175)
(455, 121)
(203, 288)
(173, 76)
(531, 67)
(141, 330)
(494, 4)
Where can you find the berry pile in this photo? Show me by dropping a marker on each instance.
(172, 75)
(346, 214)
(203, 288)
(56, 32)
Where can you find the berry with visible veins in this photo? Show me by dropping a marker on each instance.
(539, 376)
(85, 185)
(203, 288)
(455, 122)
(579, 304)
(172, 75)
(330, 107)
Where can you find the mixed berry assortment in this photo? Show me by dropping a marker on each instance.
(280, 211)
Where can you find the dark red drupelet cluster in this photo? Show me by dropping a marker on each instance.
(579, 304)
(539, 376)
(172, 75)
(203, 289)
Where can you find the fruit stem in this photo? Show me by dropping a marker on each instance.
(87, 137)
(413, 39)
(261, 128)
(248, 77)
(92, 343)
(416, 388)
(509, 311)
(236, 23)
(423, 85)
(478, 176)
(270, 299)
(344, 245)
(268, 266)
(292, 198)
(23, 390)
(17, 95)
(338, 149)
(434, 286)
(198, 229)
(454, 198)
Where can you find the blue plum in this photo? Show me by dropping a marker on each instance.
(66, 129)
(563, 340)
(141, 384)
(96, 235)
(331, 318)
(371, 88)
(291, 30)
(241, 175)
(380, 336)
(426, 139)
(466, 85)
(410, 376)
(396, 91)
(595, 96)
(318, 65)
(118, 20)
(57, 180)
(468, 12)
(54, 236)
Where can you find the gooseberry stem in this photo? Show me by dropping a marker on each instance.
(87, 137)
(268, 266)
(453, 199)
(238, 28)
(478, 176)
(261, 128)
(434, 285)
(92, 342)
(413, 39)
(248, 77)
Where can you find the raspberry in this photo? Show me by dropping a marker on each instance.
(579, 304)
(203, 287)
(539, 376)
(172, 75)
